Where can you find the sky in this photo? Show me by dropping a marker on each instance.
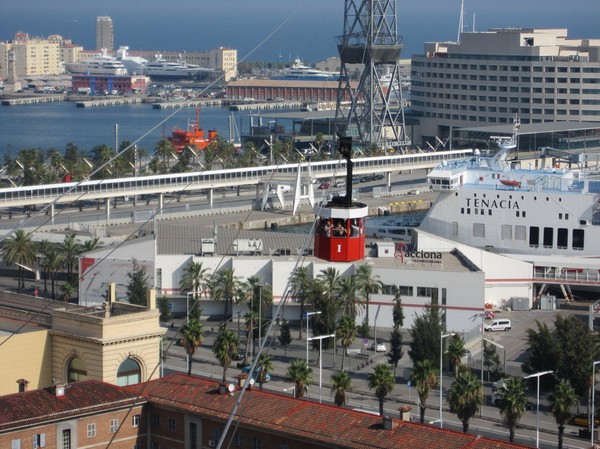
(271, 30)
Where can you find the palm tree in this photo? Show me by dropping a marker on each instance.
(224, 287)
(425, 378)
(465, 397)
(330, 280)
(164, 151)
(193, 334)
(69, 251)
(369, 284)
(561, 402)
(301, 374)
(225, 347)
(346, 333)
(340, 384)
(348, 297)
(381, 380)
(67, 291)
(52, 263)
(298, 287)
(456, 351)
(264, 365)
(20, 250)
(91, 244)
(194, 280)
(513, 403)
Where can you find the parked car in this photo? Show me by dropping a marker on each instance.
(498, 325)
(325, 186)
(366, 178)
(378, 347)
(340, 183)
(489, 314)
(246, 370)
(413, 192)
(582, 420)
(378, 176)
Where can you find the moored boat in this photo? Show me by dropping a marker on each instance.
(193, 136)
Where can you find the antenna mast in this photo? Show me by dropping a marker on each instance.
(461, 20)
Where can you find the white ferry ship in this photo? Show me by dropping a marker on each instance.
(489, 202)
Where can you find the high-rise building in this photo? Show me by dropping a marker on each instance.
(31, 56)
(489, 77)
(104, 33)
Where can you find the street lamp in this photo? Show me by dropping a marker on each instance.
(537, 412)
(320, 338)
(308, 314)
(593, 389)
(442, 336)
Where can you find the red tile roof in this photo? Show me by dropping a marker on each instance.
(81, 398)
(305, 420)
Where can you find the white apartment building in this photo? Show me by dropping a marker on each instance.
(105, 37)
(489, 77)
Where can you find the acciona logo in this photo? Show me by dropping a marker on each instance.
(423, 256)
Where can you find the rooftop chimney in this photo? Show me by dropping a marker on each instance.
(22, 385)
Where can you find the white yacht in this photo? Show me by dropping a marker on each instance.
(133, 64)
(163, 69)
(299, 71)
(101, 64)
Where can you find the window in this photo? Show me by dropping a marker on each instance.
(155, 420)
(114, 425)
(548, 237)
(479, 230)
(424, 292)
(534, 236)
(172, 425)
(256, 443)
(76, 370)
(91, 430)
(129, 373)
(66, 439)
(193, 436)
(39, 440)
(15, 444)
(405, 290)
(578, 238)
(135, 421)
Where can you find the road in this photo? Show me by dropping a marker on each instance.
(488, 423)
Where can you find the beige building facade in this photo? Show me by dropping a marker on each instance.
(489, 77)
(120, 344)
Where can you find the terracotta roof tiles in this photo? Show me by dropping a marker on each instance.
(40, 406)
(320, 423)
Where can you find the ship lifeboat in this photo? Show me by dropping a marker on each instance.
(511, 183)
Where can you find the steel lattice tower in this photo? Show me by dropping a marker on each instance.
(375, 115)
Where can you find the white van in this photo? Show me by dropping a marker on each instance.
(498, 325)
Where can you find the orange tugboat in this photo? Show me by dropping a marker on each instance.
(193, 136)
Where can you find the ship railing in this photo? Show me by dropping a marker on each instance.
(567, 274)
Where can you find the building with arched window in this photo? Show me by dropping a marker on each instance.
(118, 344)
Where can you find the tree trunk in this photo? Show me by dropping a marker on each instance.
(189, 365)
(381, 406)
(511, 434)
(422, 412)
(465, 424)
(561, 431)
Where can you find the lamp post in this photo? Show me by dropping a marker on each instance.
(593, 405)
(308, 314)
(442, 336)
(320, 338)
(537, 411)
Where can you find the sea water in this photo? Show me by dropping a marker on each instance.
(54, 125)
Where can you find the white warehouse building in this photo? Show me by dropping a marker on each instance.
(460, 279)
